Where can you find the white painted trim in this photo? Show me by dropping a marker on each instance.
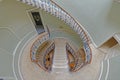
(20, 54)
(106, 77)
(6, 51)
(7, 78)
(101, 71)
(14, 52)
(10, 31)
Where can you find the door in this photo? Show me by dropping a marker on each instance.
(37, 22)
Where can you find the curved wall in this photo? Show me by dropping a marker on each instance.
(14, 25)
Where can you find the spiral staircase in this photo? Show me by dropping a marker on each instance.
(40, 57)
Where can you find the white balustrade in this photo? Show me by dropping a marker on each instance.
(78, 60)
(40, 4)
(36, 45)
(88, 52)
(50, 48)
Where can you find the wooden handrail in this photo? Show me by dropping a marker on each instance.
(48, 50)
(39, 37)
(76, 57)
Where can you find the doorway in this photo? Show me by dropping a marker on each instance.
(37, 22)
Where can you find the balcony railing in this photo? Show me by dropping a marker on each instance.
(40, 40)
(88, 52)
(79, 63)
(49, 49)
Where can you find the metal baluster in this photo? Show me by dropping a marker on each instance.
(32, 2)
(73, 23)
(24, 1)
(42, 5)
(59, 14)
(57, 11)
(37, 3)
(80, 30)
(54, 9)
(81, 36)
(77, 26)
(74, 27)
(64, 15)
(51, 9)
(27, 1)
(47, 6)
(85, 39)
(69, 20)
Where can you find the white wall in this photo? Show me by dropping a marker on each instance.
(14, 23)
(13, 15)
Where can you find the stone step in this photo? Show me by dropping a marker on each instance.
(63, 66)
(60, 64)
(60, 58)
(60, 61)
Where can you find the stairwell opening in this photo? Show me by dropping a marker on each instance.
(110, 43)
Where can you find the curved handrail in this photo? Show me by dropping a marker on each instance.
(49, 49)
(78, 63)
(41, 39)
(70, 49)
(88, 52)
